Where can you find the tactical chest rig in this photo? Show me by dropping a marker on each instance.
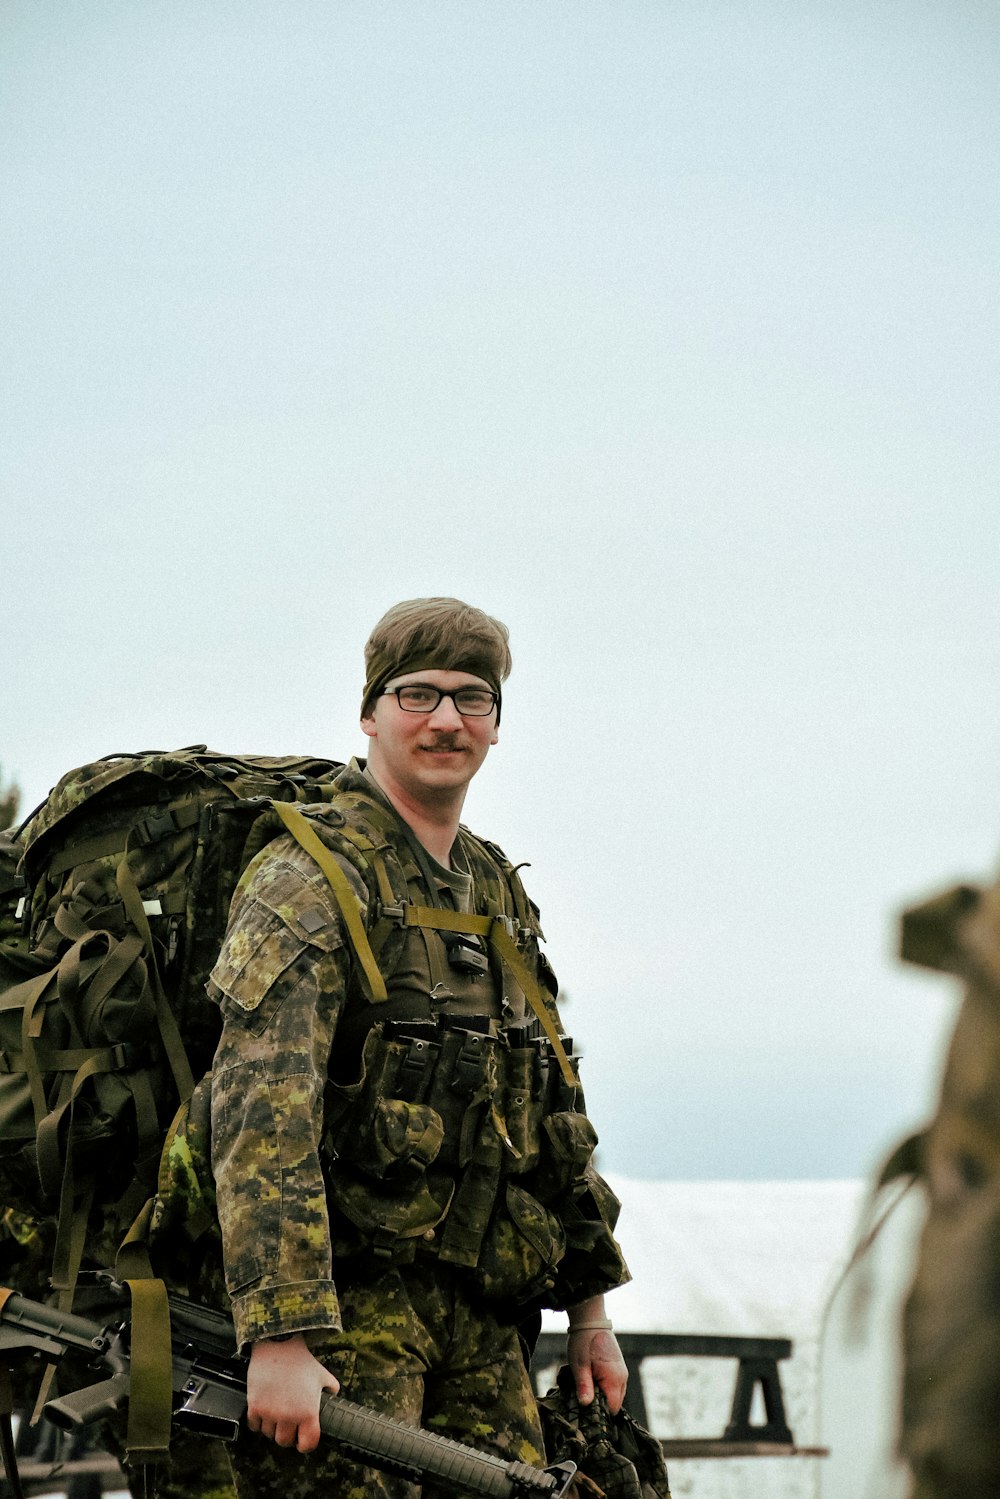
(461, 1136)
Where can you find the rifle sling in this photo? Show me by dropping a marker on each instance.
(150, 1398)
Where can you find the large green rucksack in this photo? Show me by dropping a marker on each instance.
(114, 897)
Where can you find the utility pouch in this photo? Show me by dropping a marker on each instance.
(419, 1038)
(463, 1079)
(520, 1250)
(522, 1107)
(376, 1218)
(568, 1143)
(593, 1259)
(386, 1137)
(402, 1138)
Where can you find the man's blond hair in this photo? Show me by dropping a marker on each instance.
(437, 633)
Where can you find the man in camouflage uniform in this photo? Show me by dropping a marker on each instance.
(401, 1154)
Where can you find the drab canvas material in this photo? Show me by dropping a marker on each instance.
(123, 880)
(950, 1417)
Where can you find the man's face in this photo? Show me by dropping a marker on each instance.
(427, 757)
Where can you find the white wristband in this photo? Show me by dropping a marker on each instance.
(599, 1324)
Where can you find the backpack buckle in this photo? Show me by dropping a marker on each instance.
(394, 914)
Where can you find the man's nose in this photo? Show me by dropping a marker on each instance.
(446, 715)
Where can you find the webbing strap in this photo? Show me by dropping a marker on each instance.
(49, 1155)
(495, 931)
(448, 921)
(347, 901)
(28, 991)
(61, 1061)
(169, 1032)
(132, 1261)
(34, 991)
(150, 1397)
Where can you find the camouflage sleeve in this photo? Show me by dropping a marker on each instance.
(280, 980)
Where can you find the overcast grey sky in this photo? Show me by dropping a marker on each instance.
(666, 332)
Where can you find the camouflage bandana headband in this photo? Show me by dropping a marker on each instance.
(382, 669)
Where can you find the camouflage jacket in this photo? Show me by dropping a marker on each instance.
(316, 1160)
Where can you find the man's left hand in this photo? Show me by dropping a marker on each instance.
(595, 1359)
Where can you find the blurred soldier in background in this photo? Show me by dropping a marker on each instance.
(950, 1418)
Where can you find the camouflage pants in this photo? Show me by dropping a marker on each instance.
(415, 1348)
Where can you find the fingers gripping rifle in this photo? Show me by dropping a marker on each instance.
(210, 1397)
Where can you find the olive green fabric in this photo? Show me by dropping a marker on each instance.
(950, 1416)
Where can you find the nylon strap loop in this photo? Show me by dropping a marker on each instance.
(35, 990)
(150, 1398)
(350, 908)
(132, 1260)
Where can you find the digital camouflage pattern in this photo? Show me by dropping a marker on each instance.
(417, 1349)
(294, 1061)
(950, 1421)
(615, 1457)
(127, 869)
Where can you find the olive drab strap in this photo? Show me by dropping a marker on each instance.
(496, 932)
(169, 1031)
(150, 1369)
(346, 899)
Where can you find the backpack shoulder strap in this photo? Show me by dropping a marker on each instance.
(306, 836)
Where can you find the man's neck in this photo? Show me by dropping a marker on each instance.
(434, 824)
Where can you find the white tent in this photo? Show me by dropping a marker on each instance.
(763, 1258)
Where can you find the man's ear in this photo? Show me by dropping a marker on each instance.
(368, 727)
(496, 734)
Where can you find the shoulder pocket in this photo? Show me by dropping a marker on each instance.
(282, 918)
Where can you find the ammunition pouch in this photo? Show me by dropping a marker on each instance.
(446, 1141)
(377, 1218)
(523, 1106)
(464, 1081)
(387, 1138)
(568, 1142)
(520, 1250)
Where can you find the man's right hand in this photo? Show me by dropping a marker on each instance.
(284, 1383)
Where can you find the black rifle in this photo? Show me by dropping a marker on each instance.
(209, 1381)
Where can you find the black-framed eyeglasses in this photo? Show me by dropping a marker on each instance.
(421, 697)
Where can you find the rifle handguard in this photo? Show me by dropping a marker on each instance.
(411, 1452)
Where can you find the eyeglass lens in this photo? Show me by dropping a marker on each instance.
(471, 702)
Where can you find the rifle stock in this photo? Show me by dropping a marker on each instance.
(209, 1382)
